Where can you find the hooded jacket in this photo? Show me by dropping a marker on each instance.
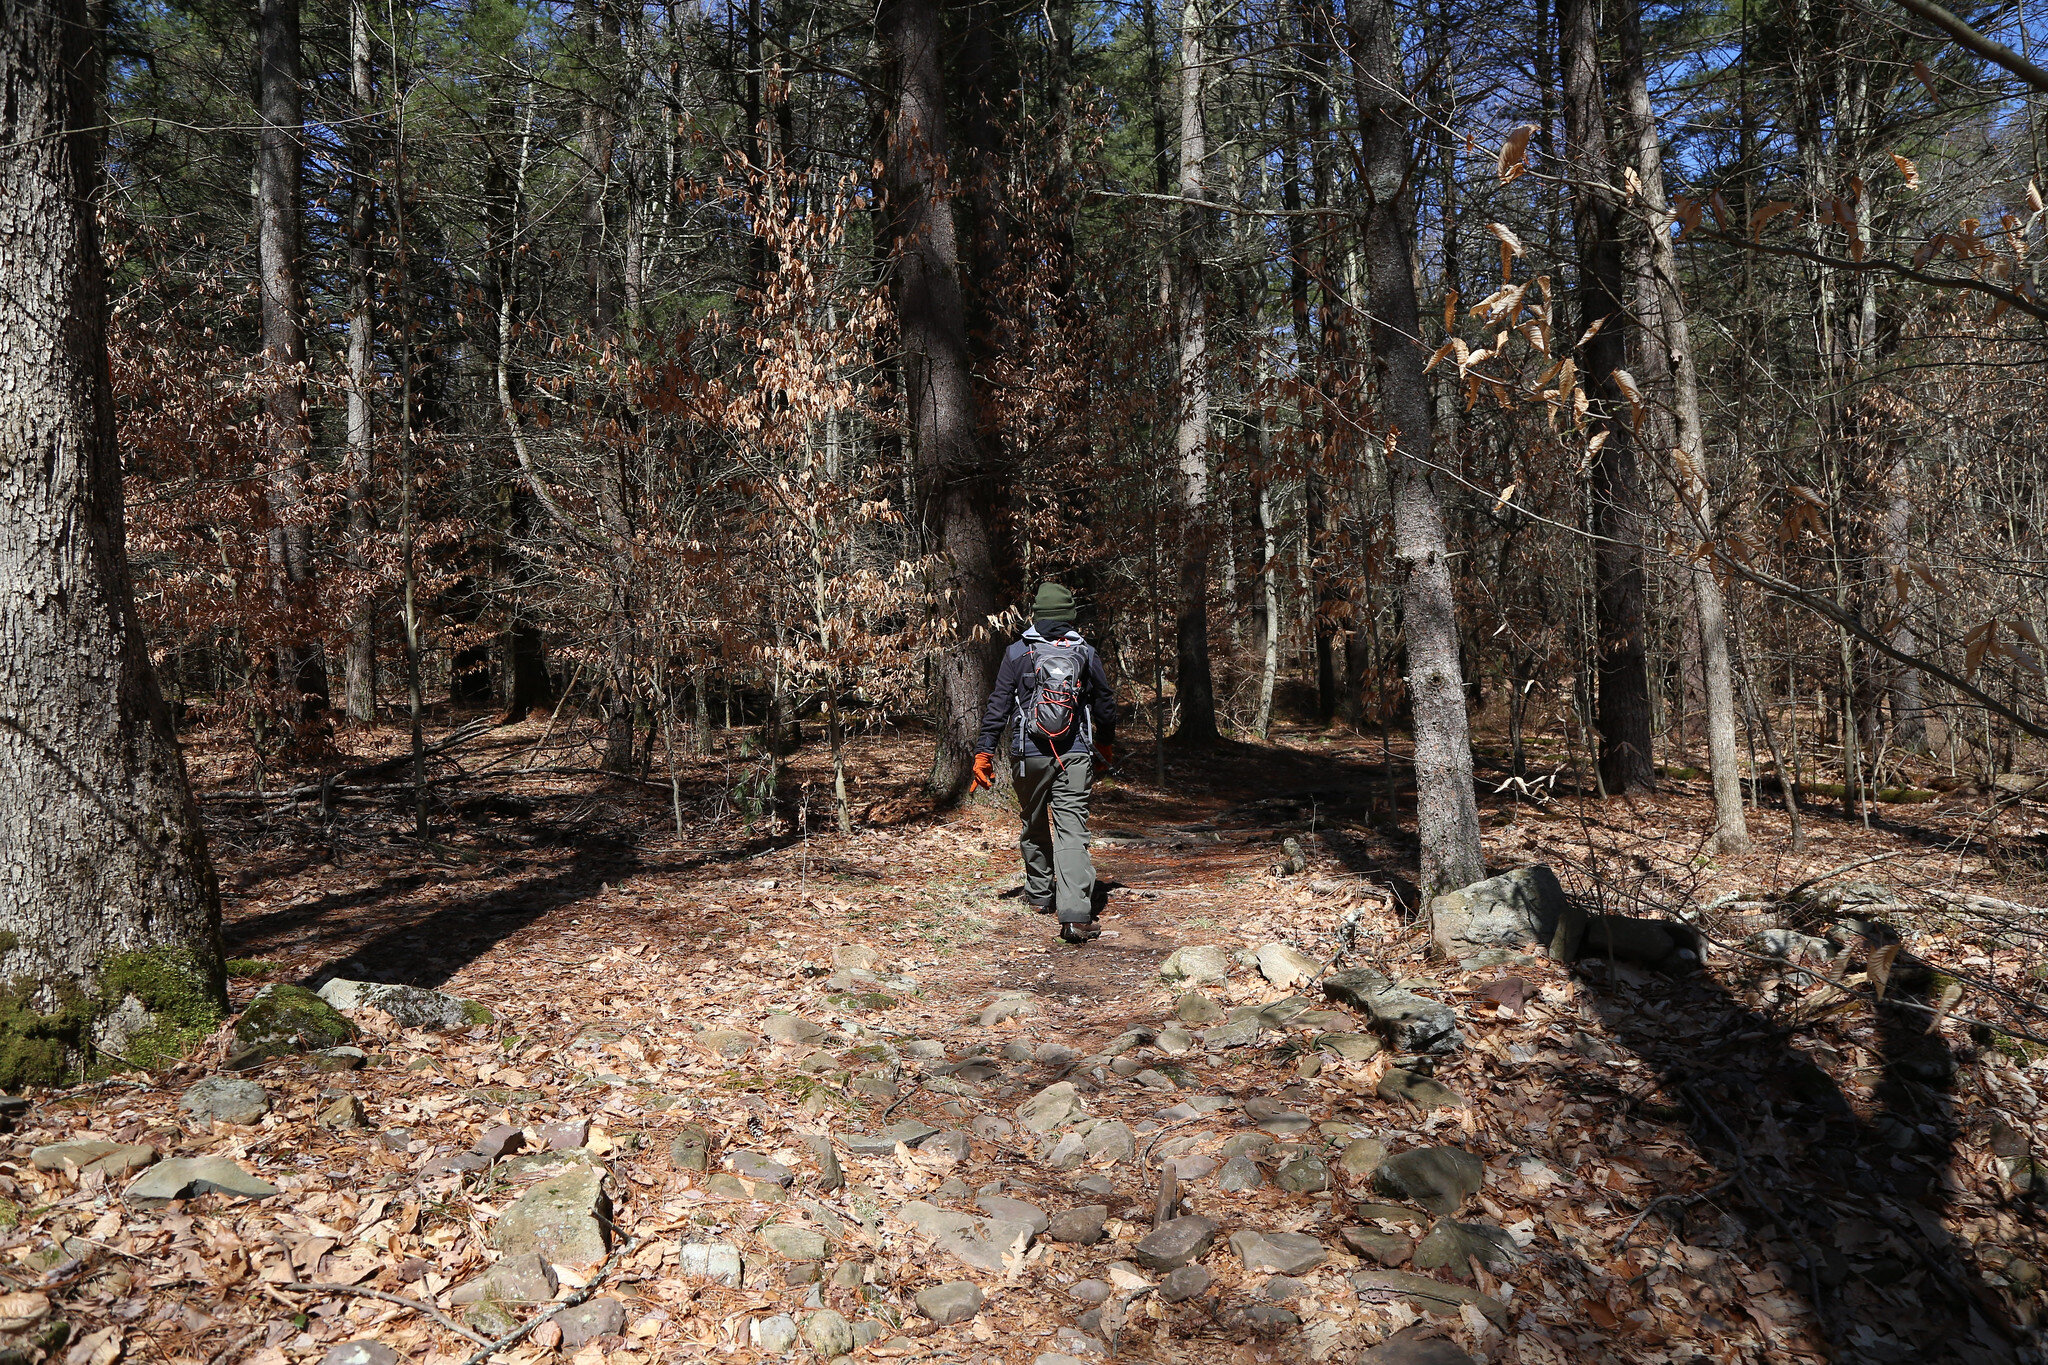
(1016, 680)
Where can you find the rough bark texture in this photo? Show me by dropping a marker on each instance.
(1668, 349)
(953, 494)
(106, 894)
(1194, 687)
(279, 105)
(361, 684)
(1446, 814)
(1622, 715)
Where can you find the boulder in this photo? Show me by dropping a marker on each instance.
(1287, 966)
(1440, 1179)
(412, 1006)
(1175, 1243)
(1055, 1105)
(1406, 1021)
(1526, 908)
(567, 1219)
(1196, 964)
(946, 1304)
(282, 1020)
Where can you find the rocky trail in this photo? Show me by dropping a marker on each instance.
(621, 1102)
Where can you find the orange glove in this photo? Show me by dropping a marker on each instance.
(1105, 751)
(984, 772)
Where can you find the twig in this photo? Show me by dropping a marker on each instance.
(893, 1104)
(436, 1314)
(1741, 1176)
(234, 1348)
(1830, 876)
(518, 1334)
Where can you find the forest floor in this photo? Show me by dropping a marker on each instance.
(829, 1058)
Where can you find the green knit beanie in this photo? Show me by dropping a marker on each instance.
(1053, 603)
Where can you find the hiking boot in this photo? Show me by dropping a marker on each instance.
(1080, 933)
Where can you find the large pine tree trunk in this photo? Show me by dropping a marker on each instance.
(279, 108)
(1622, 710)
(955, 500)
(105, 888)
(1194, 686)
(1668, 348)
(1446, 813)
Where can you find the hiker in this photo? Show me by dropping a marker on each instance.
(1053, 697)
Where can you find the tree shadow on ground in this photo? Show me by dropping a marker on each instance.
(1845, 1199)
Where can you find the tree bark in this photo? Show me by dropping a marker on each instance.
(279, 147)
(1668, 348)
(1622, 713)
(108, 904)
(1194, 686)
(361, 676)
(1446, 813)
(953, 490)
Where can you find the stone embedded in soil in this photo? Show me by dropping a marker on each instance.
(1193, 1167)
(730, 1044)
(1175, 1041)
(1361, 1156)
(1405, 1087)
(856, 957)
(933, 1221)
(1175, 1243)
(114, 1159)
(221, 1099)
(525, 1278)
(1384, 1248)
(1014, 1211)
(1387, 1213)
(1184, 1283)
(1240, 1173)
(754, 1166)
(1287, 966)
(1051, 1107)
(1280, 1288)
(789, 1030)
(1078, 1226)
(793, 1243)
(1413, 1347)
(340, 1112)
(1089, 1291)
(1440, 1179)
(1111, 1142)
(1626, 938)
(1304, 1173)
(1193, 1007)
(284, 1019)
(1352, 1047)
(950, 1146)
(1451, 1245)
(1055, 1054)
(909, 1132)
(567, 1218)
(188, 1176)
(566, 1136)
(1285, 1253)
(775, 1334)
(336, 1059)
(1009, 1005)
(498, 1140)
(1196, 964)
(828, 1333)
(831, 1176)
(1405, 1021)
(1237, 1033)
(1095, 1183)
(362, 1351)
(691, 1149)
(411, 1006)
(589, 1320)
(1422, 1292)
(946, 1304)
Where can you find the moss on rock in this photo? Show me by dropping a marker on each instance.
(287, 1019)
(182, 993)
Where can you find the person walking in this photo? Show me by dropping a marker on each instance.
(1054, 700)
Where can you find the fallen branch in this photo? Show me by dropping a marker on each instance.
(436, 1314)
(518, 1334)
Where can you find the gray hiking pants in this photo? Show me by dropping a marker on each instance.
(1054, 800)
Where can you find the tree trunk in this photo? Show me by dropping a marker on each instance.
(108, 905)
(279, 104)
(1668, 347)
(361, 680)
(1622, 709)
(1446, 814)
(954, 493)
(1194, 687)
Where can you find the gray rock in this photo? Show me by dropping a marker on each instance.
(1407, 1022)
(1175, 1243)
(1154, 1080)
(281, 1020)
(1413, 1347)
(1236, 1033)
(1405, 1087)
(114, 1159)
(1269, 1318)
(1193, 1007)
(909, 1132)
(498, 1140)
(1051, 1107)
(1196, 964)
(691, 1149)
(831, 1176)
(793, 1243)
(1097, 1184)
(1285, 1253)
(1284, 1123)
(340, 1112)
(953, 1187)
(1361, 1156)
(774, 1335)
(409, 1005)
(1352, 1047)
(1090, 1291)
(730, 1044)
(1426, 1294)
(718, 1262)
(933, 1221)
(187, 1176)
(1240, 1173)
(1440, 1179)
(754, 1166)
(1056, 1358)
(952, 1144)
(566, 1218)
(1383, 1248)
(1174, 1041)
(1184, 1283)
(1078, 1226)
(1054, 1054)
(1009, 1005)
(1451, 1245)
(566, 1136)
(1287, 966)
(337, 1059)
(1248, 1144)
(980, 1252)
(591, 1319)
(946, 1304)
(829, 1333)
(856, 957)
(1526, 908)
(1112, 1142)
(362, 1351)
(1281, 1288)
(992, 1129)
(1068, 1153)
(1304, 1173)
(1193, 1167)
(789, 1030)
(1015, 1211)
